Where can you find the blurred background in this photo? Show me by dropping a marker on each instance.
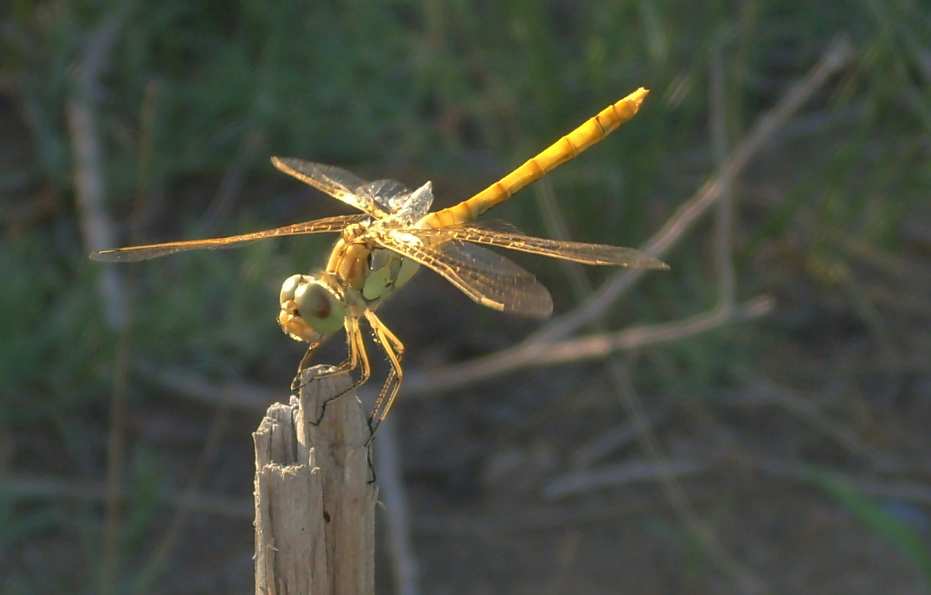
(754, 420)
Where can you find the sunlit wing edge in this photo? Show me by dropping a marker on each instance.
(295, 167)
(149, 251)
(581, 252)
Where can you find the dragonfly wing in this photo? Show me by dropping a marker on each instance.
(488, 278)
(406, 206)
(507, 236)
(342, 185)
(384, 192)
(148, 251)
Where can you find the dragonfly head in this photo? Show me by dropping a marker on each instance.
(310, 309)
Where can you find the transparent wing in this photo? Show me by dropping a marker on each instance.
(486, 277)
(384, 192)
(147, 251)
(507, 236)
(413, 206)
(342, 185)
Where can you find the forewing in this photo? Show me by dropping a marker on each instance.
(506, 236)
(342, 185)
(488, 278)
(147, 251)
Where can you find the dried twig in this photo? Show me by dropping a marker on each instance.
(614, 439)
(61, 488)
(183, 509)
(433, 383)
(35, 487)
(577, 482)
(766, 391)
(724, 217)
(607, 476)
(97, 229)
(396, 511)
(635, 337)
(239, 396)
(89, 178)
(231, 184)
(911, 491)
(555, 224)
(701, 530)
(438, 381)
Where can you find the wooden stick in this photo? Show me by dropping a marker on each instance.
(314, 503)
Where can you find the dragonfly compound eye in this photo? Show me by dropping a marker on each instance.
(290, 285)
(317, 305)
(309, 309)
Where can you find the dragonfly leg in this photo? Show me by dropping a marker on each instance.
(388, 394)
(348, 364)
(303, 365)
(358, 358)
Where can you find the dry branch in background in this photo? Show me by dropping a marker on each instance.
(724, 217)
(314, 502)
(587, 347)
(440, 381)
(576, 482)
(97, 231)
(876, 483)
(396, 512)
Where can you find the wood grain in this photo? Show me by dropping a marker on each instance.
(314, 503)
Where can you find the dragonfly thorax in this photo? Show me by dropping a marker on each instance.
(356, 233)
(310, 308)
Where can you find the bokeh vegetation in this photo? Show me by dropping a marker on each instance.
(833, 220)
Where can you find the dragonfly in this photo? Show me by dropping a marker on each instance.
(381, 248)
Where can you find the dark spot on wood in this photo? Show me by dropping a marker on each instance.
(326, 516)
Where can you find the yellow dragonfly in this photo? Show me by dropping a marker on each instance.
(379, 250)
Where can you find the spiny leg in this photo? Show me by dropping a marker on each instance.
(388, 394)
(296, 382)
(348, 364)
(358, 357)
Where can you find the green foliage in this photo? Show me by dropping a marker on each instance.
(51, 331)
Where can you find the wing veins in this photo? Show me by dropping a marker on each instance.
(509, 238)
(497, 283)
(148, 251)
(339, 183)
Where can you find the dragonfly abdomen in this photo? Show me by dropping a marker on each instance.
(567, 147)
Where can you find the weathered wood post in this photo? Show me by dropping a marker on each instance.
(314, 505)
